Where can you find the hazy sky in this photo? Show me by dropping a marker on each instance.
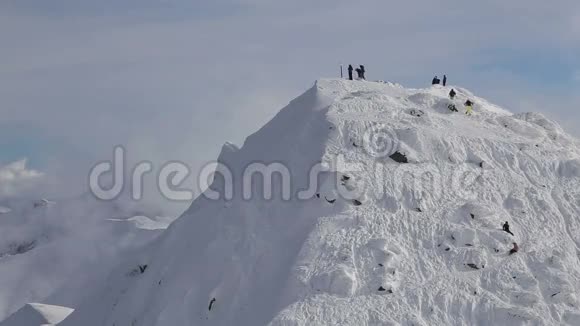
(175, 79)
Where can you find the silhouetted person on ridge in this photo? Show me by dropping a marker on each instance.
(350, 69)
(435, 81)
(452, 94)
(362, 72)
(444, 80)
(514, 249)
(358, 73)
(506, 228)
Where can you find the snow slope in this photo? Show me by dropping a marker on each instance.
(34, 314)
(377, 242)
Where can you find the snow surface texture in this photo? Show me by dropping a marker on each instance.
(423, 253)
(34, 314)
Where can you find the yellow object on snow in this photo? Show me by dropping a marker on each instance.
(469, 109)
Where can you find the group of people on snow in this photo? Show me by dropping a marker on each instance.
(468, 104)
(437, 81)
(360, 71)
(506, 228)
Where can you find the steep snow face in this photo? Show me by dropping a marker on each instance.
(402, 227)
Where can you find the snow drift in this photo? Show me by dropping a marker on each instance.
(34, 314)
(401, 227)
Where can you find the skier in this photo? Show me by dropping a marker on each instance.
(452, 93)
(350, 72)
(444, 80)
(435, 81)
(506, 228)
(362, 72)
(514, 249)
(468, 107)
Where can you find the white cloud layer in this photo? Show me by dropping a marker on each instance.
(174, 80)
(16, 178)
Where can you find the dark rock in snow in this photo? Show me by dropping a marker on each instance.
(211, 304)
(382, 289)
(416, 113)
(399, 157)
(18, 248)
(142, 268)
(356, 202)
(474, 266)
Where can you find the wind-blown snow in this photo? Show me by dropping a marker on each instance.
(424, 253)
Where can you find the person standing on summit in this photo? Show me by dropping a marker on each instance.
(362, 72)
(350, 69)
(359, 73)
(444, 80)
(435, 81)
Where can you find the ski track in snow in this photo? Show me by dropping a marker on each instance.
(401, 259)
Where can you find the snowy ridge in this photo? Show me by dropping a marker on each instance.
(33, 314)
(409, 244)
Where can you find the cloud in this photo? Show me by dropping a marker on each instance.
(174, 80)
(15, 178)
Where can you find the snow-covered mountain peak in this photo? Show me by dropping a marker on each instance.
(386, 208)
